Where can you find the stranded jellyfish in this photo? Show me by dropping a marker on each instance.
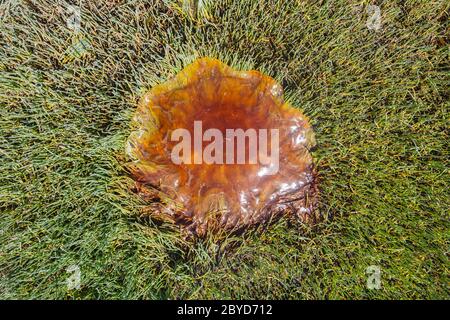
(215, 149)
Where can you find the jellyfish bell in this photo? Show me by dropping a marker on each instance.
(215, 149)
(241, 147)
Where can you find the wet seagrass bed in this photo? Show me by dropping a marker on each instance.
(376, 98)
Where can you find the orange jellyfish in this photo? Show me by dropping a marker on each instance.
(215, 149)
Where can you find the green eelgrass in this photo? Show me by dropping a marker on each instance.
(378, 100)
